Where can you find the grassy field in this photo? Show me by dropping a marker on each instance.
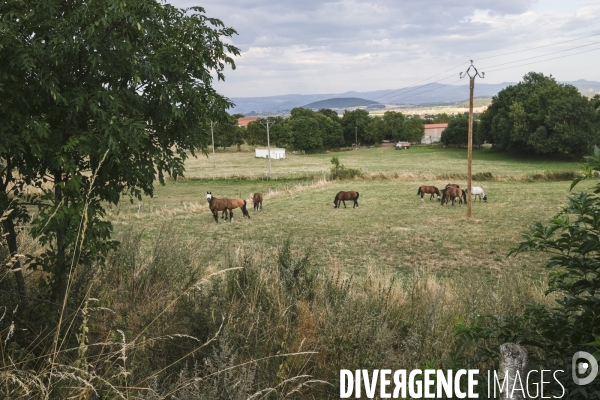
(392, 230)
(383, 287)
(416, 163)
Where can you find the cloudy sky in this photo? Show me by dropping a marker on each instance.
(335, 46)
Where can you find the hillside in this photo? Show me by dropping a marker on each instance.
(340, 102)
(431, 94)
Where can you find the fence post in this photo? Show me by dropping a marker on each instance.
(513, 361)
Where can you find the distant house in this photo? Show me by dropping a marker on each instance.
(244, 121)
(433, 133)
(276, 153)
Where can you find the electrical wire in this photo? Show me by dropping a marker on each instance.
(539, 47)
(400, 94)
(550, 59)
(542, 55)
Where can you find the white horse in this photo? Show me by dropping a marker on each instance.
(478, 191)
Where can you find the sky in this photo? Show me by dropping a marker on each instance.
(325, 46)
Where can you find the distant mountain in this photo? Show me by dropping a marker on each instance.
(430, 94)
(340, 102)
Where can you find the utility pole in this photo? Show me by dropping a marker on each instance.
(212, 134)
(268, 124)
(472, 73)
(356, 133)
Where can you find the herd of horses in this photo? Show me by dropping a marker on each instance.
(450, 193)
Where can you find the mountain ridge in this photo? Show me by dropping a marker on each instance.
(433, 93)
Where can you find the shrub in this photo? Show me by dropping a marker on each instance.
(339, 172)
(555, 334)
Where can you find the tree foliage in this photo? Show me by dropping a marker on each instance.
(355, 124)
(539, 115)
(573, 324)
(105, 98)
(279, 132)
(457, 132)
(228, 133)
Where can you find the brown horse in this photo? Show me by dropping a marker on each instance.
(257, 201)
(217, 205)
(432, 190)
(343, 196)
(237, 203)
(452, 193)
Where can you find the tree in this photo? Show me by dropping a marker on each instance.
(331, 130)
(414, 129)
(442, 118)
(228, 133)
(331, 114)
(539, 115)
(395, 126)
(306, 132)
(376, 130)
(122, 91)
(457, 132)
(279, 132)
(355, 123)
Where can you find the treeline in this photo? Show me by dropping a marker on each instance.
(540, 115)
(311, 130)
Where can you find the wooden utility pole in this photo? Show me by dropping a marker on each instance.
(268, 124)
(213, 143)
(472, 73)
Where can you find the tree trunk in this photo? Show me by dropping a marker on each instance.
(11, 240)
(62, 268)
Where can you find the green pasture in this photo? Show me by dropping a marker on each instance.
(420, 160)
(392, 230)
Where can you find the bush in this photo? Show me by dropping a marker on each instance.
(554, 334)
(339, 172)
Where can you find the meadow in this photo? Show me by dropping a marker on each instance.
(274, 306)
(418, 162)
(391, 230)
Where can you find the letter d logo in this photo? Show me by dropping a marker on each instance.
(583, 367)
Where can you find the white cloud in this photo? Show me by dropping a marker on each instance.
(320, 46)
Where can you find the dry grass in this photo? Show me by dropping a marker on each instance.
(308, 289)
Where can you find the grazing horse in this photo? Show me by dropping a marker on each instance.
(343, 196)
(216, 205)
(257, 201)
(451, 193)
(454, 185)
(432, 190)
(478, 191)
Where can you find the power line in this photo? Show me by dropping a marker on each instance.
(542, 55)
(550, 59)
(511, 62)
(538, 47)
(423, 80)
(395, 95)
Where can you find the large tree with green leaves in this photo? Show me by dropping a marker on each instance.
(228, 133)
(355, 124)
(279, 132)
(540, 115)
(106, 97)
(457, 132)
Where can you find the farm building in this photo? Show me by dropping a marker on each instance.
(433, 133)
(276, 153)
